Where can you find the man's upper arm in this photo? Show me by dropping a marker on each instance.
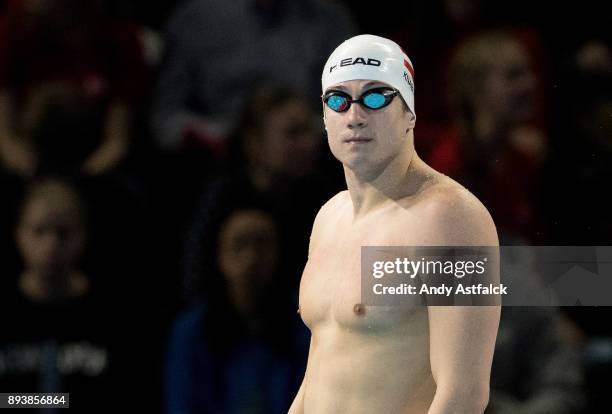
(462, 338)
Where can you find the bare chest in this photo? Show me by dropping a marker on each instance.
(330, 289)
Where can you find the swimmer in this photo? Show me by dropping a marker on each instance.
(374, 359)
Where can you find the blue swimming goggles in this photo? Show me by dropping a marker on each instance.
(376, 98)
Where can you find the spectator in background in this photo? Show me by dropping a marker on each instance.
(237, 348)
(56, 336)
(216, 51)
(275, 154)
(582, 164)
(495, 144)
(536, 365)
(69, 76)
(584, 103)
(434, 30)
(276, 139)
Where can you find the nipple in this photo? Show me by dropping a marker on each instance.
(298, 310)
(359, 309)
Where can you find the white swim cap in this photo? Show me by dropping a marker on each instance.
(373, 58)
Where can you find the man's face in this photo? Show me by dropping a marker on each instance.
(366, 138)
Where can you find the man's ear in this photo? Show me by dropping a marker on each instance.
(411, 121)
(324, 118)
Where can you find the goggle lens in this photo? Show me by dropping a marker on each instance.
(374, 100)
(338, 103)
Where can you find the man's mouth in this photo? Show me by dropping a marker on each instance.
(357, 140)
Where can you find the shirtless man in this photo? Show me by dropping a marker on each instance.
(375, 359)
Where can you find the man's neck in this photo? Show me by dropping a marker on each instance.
(370, 190)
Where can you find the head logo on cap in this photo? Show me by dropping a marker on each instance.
(373, 58)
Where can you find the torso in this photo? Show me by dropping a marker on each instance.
(363, 359)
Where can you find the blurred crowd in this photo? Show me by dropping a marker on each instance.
(161, 166)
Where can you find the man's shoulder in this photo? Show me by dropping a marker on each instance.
(330, 210)
(445, 193)
(334, 204)
(455, 216)
(338, 200)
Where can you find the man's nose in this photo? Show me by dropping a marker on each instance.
(356, 116)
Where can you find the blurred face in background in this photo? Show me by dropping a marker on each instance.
(248, 254)
(51, 233)
(508, 86)
(286, 142)
(491, 78)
